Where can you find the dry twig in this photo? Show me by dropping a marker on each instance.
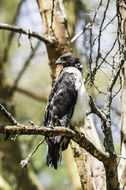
(28, 33)
(8, 115)
(25, 162)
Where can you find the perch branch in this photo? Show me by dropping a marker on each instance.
(79, 138)
(25, 32)
(83, 141)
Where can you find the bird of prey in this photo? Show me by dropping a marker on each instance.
(66, 105)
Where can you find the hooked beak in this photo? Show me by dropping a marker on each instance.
(58, 62)
(81, 67)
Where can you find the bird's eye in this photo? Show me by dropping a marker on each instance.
(78, 64)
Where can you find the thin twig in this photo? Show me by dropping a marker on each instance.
(112, 83)
(121, 156)
(100, 4)
(11, 35)
(100, 32)
(32, 94)
(25, 162)
(8, 115)
(80, 33)
(107, 54)
(26, 32)
(109, 145)
(104, 29)
(99, 91)
(25, 67)
(96, 110)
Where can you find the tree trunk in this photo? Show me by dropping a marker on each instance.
(122, 161)
(55, 27)
(91, 171)
(72, 169)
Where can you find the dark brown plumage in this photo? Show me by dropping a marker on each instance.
(61, 104)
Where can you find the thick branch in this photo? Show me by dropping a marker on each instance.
(25, 32)
(83, 141)
(79, 138)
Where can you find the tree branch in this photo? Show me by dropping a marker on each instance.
(79, 138)
(88, 26)
(25, 66)
(26, 32)
(30, 94)
(8, 115)
(112, 83)
(26, 161)
(83, 141)
(108, 142)
(11, 35)
(96, 110)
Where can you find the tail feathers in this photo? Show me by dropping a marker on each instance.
(53, 151)
(55, 146)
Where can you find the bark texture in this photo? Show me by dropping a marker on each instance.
(122, 161)
(55, 27)
(72, 169)
(91, 170)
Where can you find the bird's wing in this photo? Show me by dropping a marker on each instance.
(61, 101)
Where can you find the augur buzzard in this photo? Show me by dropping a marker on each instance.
(66, 105)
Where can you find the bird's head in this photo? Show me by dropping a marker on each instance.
(68, 60)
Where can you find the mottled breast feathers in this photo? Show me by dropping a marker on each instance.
(61, 101)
